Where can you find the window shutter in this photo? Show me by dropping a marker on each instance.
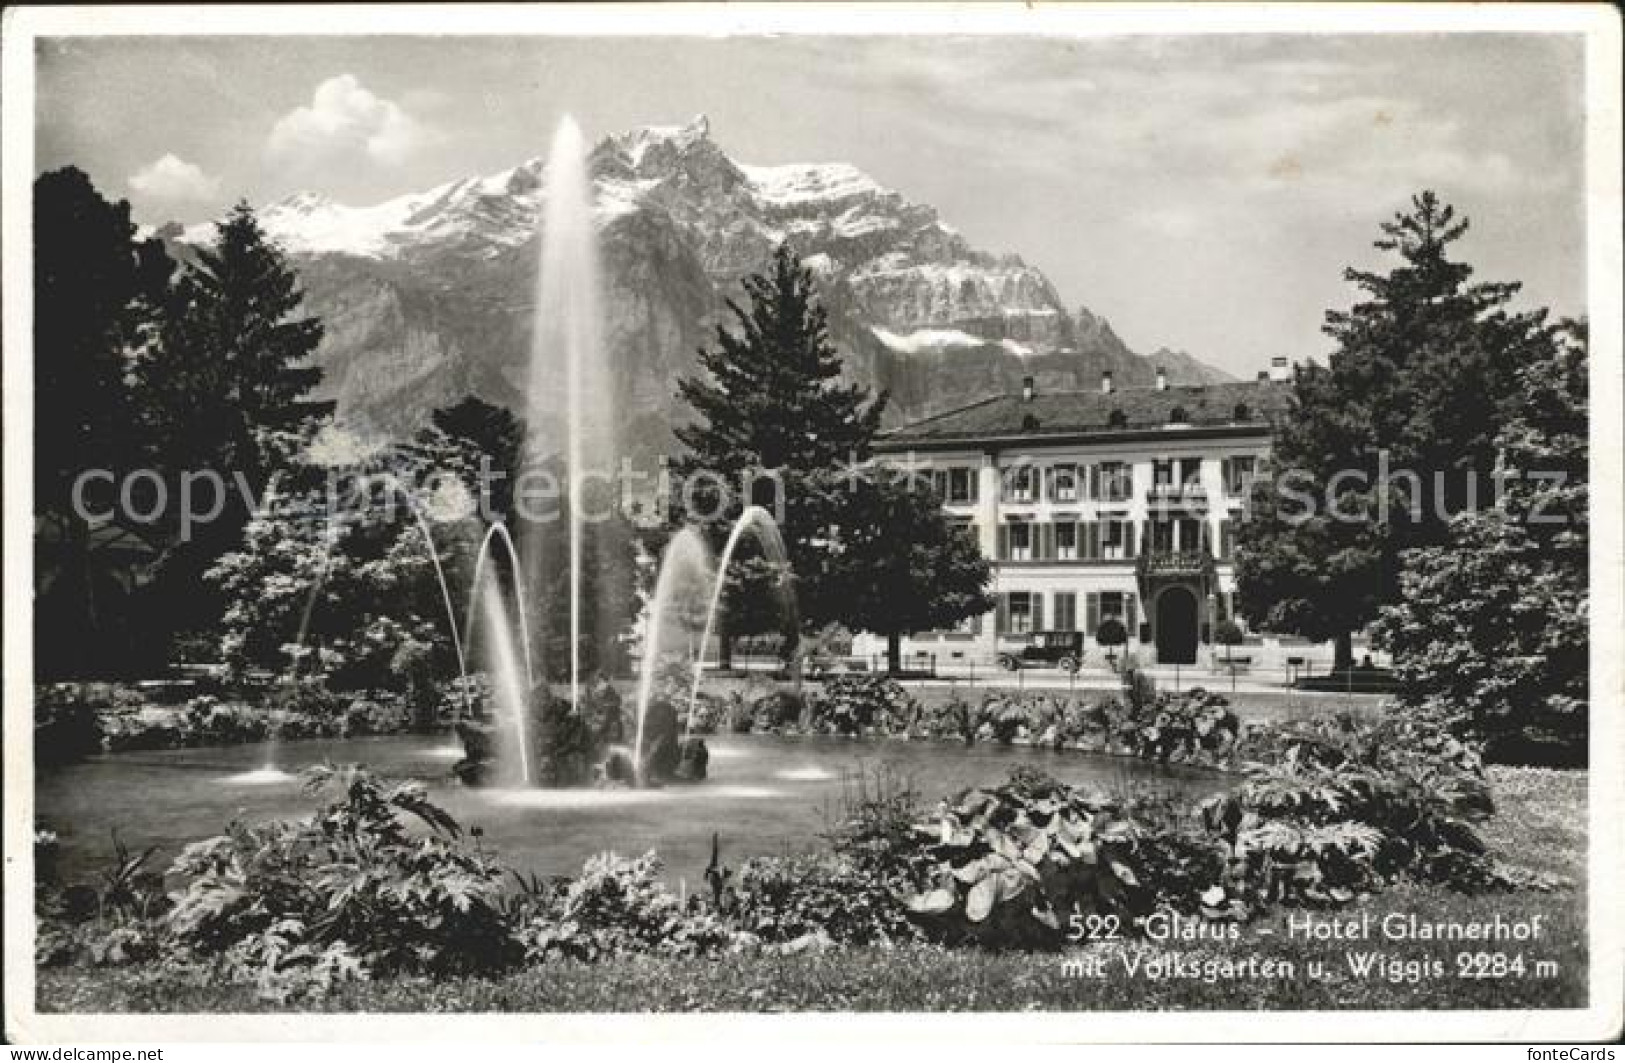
(1091, 540)
(1046, 542)
(1224, 539)
(1131, 611)
(1091, 612)
(1224, 474)
(1094, 483)
(1004, 544)
(975, 484)
(1002, 617)
(1038, 611)
(1049, 483)
(1128, 538)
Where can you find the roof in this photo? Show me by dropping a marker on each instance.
(1252, 404)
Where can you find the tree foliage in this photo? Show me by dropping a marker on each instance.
(901, 566)
(1422, 377)
(1492, 630)
(96, 288)
(773, 424)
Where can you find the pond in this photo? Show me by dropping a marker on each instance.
(766, 795)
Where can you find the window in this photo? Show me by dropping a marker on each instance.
(1162, 472)
(1116, 537)
(1177, 415)
(1064, 483)
(1029, 423)
(1066, 611)
(1117, 419)
(961, 485)
(1097, 607)
(1021, 612)
(1226, 539)
(1238, 474)
(1116, 481)
(1190, 471)
(1021, 542)
(1066, 541)
(1018, 483)
(1243, 413)
(939, 483)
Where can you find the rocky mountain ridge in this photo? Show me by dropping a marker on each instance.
(427, 297)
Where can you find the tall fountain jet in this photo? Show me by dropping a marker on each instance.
(569, 403)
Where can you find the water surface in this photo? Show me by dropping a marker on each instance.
(766, 794)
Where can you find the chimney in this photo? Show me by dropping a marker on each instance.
(1027, 389)
(1106, 382)
(1279, 370)
(1162, 379)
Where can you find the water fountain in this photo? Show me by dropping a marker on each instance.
(562, 730)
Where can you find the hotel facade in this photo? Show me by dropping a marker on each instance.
(1107, 503)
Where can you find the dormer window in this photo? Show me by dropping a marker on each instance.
(1029, 423)
(1117, 420)
(1178, 416)
(1242, 412)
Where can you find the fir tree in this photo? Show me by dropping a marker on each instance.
(773, 424)
(1422, 377)
(233, 365)
(769, 397)
(226, 387)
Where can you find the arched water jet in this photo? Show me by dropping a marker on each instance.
(511, 696)
(685, 557)
(445, 590)
(761, 524)
(499, 531)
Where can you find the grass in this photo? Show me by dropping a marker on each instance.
(1540, 827)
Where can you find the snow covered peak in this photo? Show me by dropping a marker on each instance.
(666, 141)
(801, 184)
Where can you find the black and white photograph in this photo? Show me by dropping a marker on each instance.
(1077, 519)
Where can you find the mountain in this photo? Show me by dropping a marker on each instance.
(427, 297)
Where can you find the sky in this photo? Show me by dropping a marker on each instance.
(1203, 193)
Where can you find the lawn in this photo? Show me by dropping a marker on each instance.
(1540, 827)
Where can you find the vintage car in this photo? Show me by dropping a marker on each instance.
(1062, 649)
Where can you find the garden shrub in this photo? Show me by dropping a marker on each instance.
(859, 704)
(1014, 863)
(617, 905)
(209, 721)
(1345, 804)
(776, 710)
(107, 922)
(782, 899)
(1196, 726)
(348, 893)
(67, 723)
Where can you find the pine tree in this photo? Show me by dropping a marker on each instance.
(1422, 377)
(225, 387)
(769, 397)
(769, 401)
(233, 365)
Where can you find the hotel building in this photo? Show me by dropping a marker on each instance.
(1111, 502)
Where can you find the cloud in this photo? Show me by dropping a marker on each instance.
(174, 178)
(345, 122)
